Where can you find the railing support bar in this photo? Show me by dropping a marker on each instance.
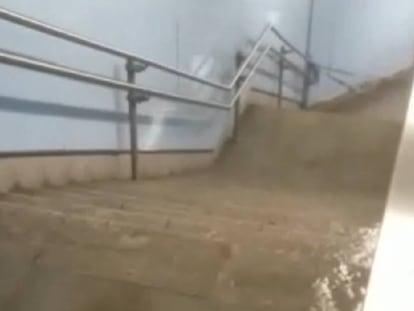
(242, 67)
(245, 81)
(307, 58)
(236, 121)
(236, 111)
(134, 98)
(133, 132)
(132, 111)
(306, 87)
(281, 74)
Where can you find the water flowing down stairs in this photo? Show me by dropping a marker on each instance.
(255, 232)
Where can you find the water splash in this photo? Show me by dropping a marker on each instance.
(343, 288)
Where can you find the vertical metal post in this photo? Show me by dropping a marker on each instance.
(306, 82)
(281, 73)
(132, 121)
(178, 53)
(236, 121)
(306, 88)
(134, 98)
(239, 63)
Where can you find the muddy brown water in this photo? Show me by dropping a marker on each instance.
(287, 220)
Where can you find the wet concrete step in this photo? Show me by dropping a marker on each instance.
(279, 209)
(273, 205)
(29, 286)
(203, 211)
(112, 249)
(186, 266)
(144, 218)
(91, 239)
(109, 206)
(239, 233)
(266, 210)
(15, 263)
(130, 199)
(194, 189)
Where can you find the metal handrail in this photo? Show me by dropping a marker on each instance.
(249, 76)
(289, 64)
(57, 32)
(247, 61)
(275, 55)
(69, 73)
(287, 42)
(66, 72)
(135, 64)
(62, 71)
(48, 29)
(341, 82)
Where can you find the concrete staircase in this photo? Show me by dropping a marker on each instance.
(252, 233)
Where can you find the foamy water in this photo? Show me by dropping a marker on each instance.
(344, 287)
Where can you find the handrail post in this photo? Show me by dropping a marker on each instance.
(236, 112)
(307, 80)
(281, 73)
(306, 86)
(134, 98)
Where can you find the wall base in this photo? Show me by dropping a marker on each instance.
(33, 172)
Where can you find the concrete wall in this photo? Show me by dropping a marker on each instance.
(34, 172)
(178, 34)
(369, 37)
(40, 112)
(200, 37)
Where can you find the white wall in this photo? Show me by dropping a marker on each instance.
(201, 37)
(372, 38)
(176, 33)
(197, 36)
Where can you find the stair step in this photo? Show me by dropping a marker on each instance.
(240, 233)
(137, 202)
(270, 211)
(188, 266)
(269, 206)
(45, 288)
(15, 264)
(115, 250)
(142, 217)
